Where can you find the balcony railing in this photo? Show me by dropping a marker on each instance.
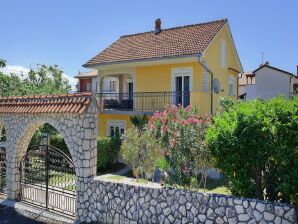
(141, 101)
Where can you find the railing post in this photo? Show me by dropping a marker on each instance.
(296, 207)
(142, 102)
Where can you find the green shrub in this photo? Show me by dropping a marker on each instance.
(57, 141)
(255, 145)
(107, 152)
(140, 151)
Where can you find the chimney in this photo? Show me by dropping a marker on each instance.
(157, 26)
(297, 72)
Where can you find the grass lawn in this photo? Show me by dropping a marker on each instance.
(217, 186)
(212, 185)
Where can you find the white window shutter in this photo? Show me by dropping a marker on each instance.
(205, 79)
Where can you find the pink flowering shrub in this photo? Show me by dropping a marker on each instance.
(180, 132)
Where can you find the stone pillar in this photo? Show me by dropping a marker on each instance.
(86, 162)
(12, 174)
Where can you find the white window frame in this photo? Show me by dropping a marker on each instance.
(115, 123)
(181, 72)
(178, 72)
(223, 52)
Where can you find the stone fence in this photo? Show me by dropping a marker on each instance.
(112, 202)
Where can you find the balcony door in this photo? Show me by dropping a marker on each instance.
(130, 90)
(182, 89)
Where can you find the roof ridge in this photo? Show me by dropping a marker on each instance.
(178, 27)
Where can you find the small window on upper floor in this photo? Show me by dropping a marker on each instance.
(223, 53)
(231, 85)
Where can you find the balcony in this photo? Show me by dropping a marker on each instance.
(141, 101)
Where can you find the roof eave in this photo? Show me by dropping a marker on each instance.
(141, 60)
(277, 69)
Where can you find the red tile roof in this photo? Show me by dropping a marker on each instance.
(178, 41)
(67, 103)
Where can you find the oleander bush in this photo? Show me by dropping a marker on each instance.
(255, 145)
(180, 132)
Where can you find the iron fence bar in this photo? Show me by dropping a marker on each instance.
(47, 176)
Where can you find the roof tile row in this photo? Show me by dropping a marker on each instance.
(178, 41)
(66, 103)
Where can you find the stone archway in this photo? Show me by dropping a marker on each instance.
(74, 116)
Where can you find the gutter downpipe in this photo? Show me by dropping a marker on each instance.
(211, 82)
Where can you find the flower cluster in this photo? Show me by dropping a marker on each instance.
(180, 131)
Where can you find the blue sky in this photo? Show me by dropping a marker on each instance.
(69, 32)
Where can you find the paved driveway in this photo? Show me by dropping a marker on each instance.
(10, 215)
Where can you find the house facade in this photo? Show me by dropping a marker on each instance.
(141, 73)
(266, 82)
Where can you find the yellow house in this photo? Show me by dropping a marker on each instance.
(141, 73)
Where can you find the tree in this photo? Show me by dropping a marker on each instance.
(2, 63)
(139, 121)
(42, 80)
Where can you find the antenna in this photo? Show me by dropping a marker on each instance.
(263, 57)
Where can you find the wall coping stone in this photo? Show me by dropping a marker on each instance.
(108, 178)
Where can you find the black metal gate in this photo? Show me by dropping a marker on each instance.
(48, 179)
(2, 170)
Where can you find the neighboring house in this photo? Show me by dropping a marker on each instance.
(87, 81)
(164, 66)
(267, 82)
(245, 80)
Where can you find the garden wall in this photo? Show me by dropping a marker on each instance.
(111, 202)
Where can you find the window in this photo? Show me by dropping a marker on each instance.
(223, 53)
(115, 128)
(231, 85)
(88, 86)
(113, 86)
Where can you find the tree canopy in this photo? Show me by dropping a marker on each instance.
(42, 80)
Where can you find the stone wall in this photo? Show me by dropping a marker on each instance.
(111, 202)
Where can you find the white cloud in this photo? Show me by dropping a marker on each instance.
(18, 70)
(72, 81)
(23, 73)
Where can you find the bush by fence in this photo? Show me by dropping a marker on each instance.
(107, 152)
(255, 144)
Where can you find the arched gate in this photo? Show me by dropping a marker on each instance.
(48, 179)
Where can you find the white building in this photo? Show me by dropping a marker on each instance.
(267, 82)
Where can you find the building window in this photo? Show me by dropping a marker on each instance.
(115, 128)
(223, 53)
(231, 85)
(113, 86)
